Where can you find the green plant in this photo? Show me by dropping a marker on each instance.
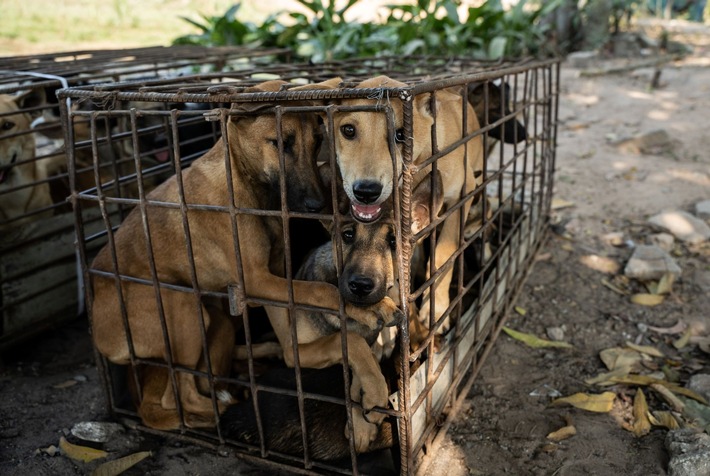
(221, 30)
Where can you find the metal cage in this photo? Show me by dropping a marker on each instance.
(38, 269)
(428, 384)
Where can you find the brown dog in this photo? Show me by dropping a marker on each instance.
(363, 157)
(369, 275)
(23, 188)
(253, 149)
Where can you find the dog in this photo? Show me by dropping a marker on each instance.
(23, 186)
(369, 274)
(254, 149)
(362, 147)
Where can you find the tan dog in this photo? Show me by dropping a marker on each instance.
(18, 167)
(253, 149)
(362, 149)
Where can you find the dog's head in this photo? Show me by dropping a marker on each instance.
(369, 150)
(16, 140)
(369, 249)
(263, 144)
(497, 104)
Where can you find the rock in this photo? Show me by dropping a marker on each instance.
(649, 143)
(663, 240)
(702, 209)
(556, 333)
(582, 59)
(650, 263)
(96, 431)
(682, 225)
(700, 383)
(689, 451)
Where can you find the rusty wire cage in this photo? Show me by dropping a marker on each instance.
(38, 268)
(428, 382)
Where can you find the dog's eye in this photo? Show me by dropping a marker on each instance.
(392, 241)
(399, 136)
(7, 125)
(274, 142)
(348, 235)
(348, 131)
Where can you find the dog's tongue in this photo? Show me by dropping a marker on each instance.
(162, 156)
(366, 213)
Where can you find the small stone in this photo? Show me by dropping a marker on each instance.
(664, 241)
(96, 431)
(682, 225)
(555, 333)
(80, 378)
(649, 143)
(700, 383)
(615, 238)
(702, 209)
(650, 263)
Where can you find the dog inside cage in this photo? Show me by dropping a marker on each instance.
(313, 287)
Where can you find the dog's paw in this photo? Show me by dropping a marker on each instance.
(387, 312)
(363, 431)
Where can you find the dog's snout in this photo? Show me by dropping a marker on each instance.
(367, 191)
(360, 285)
(314, 205)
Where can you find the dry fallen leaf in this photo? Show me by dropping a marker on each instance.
(118, 466)
(664, 419)
(608, 378)
(534, 341)
(601, 402)
(615, 288)
(650, 381)
(683, 340)
(665, 285)
(645, 349)
(642, 425)
(617, 358)
(668, 396)
(562, 434)
(559, 203)
(600, 263)
(80, 453)
(520, 310)
(645, 299)
(676, 329)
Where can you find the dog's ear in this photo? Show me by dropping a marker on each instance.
(32, 98)
(327, 85)
(272, 86)
(427, 198)
(498, 105)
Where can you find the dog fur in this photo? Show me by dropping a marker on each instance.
(253, 150)
(18, 167)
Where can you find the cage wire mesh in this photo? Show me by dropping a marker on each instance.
(183, 267)
(38, 270)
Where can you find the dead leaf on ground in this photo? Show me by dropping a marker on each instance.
(668, 396)
(645, 299)
(520, 310)
(601, 403)
(562, 434)
(608, 378)
(80, 453)
(683, 340)
(664, 419)
(600, 263)
(642, 425)
(665, 285)
(675, 329)
(645, 349)
(118, 466)
(617, 357)
(642, 380)
(559, 203)
(534, 341)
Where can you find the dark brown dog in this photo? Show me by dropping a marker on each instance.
(253, 150)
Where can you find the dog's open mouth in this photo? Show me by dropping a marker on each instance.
(366, 213)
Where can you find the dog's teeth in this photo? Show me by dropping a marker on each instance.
(224, 396)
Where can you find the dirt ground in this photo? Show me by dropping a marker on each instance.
(50, 383)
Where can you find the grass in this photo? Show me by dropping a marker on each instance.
(41, 26)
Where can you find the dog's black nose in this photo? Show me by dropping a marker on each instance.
(360, 285)
(314, 205)
(367, 191)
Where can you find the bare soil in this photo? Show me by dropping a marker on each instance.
(503, 426)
